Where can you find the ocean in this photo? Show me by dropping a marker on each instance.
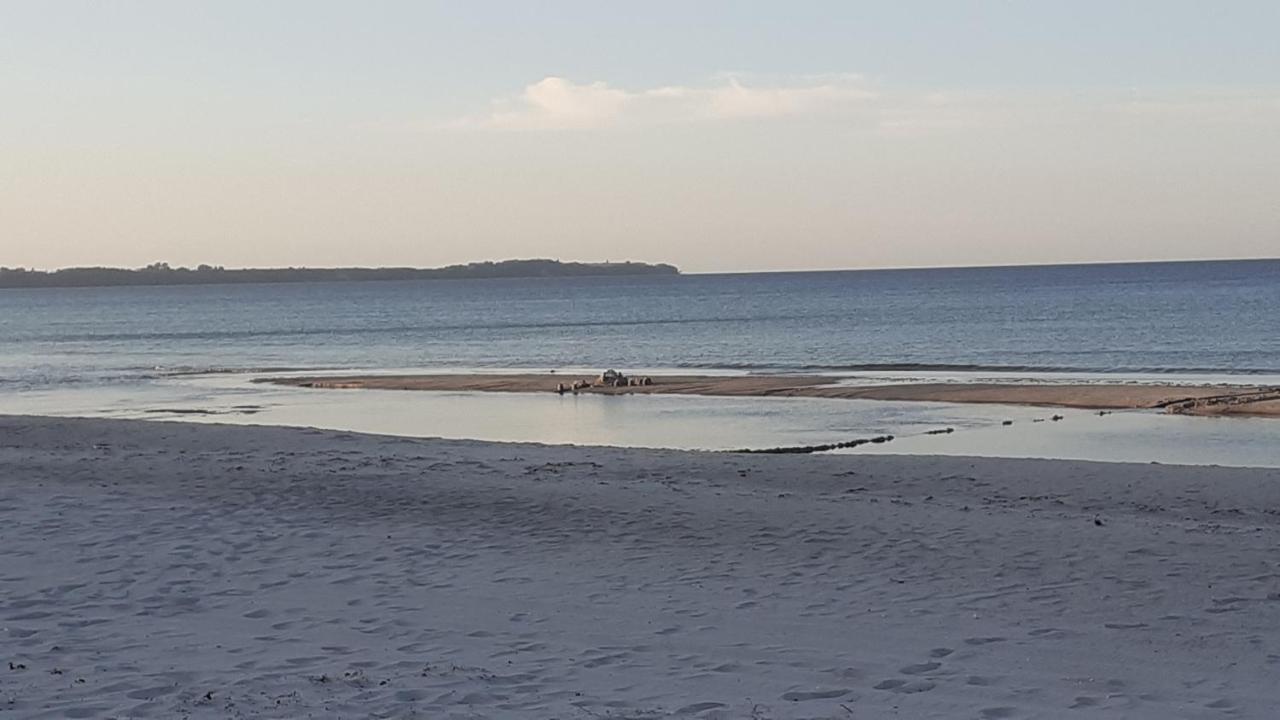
(126, 350)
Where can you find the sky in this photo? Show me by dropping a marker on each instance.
(718, 136)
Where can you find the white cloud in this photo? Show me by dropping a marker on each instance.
(558, 103)
(735, 100)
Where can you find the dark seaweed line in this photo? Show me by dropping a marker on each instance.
(806, 449)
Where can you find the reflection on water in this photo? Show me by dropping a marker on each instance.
(1135, 436)
(685, 422)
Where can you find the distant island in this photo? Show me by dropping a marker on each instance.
(162, 274)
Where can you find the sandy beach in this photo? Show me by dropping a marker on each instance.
(1186, 399)
(177, 570)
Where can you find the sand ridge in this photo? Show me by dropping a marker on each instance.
(180, 570)
(1186, 399)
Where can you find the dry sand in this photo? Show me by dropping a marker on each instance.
(169, 570)
(1189, 399)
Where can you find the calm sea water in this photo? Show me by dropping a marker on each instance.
(148, 352)
(1218, 318)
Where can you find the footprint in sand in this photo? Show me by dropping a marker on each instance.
(802, 696)
(940, 652)
(699, 707)
(906, 687)
(998, 712)
(919, 668)
(983, 640)
(890, 684)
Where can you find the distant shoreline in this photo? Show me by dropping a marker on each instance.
(1256, 401)
(161, 274)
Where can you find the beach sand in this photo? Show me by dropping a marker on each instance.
(173, 570)
(1187, 399)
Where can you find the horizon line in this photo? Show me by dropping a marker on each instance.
(987, 266)
(980, 266)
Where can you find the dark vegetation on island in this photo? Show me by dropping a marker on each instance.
(162, 274)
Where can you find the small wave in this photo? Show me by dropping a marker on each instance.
(187, 371)
(780, 368)
(976, 368)
(474, 326)
(80, 377)
(51, 380)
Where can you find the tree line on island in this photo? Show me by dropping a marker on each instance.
(163, 274)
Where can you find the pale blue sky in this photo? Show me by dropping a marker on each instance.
(715, 135)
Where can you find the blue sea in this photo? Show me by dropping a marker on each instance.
(149, 351)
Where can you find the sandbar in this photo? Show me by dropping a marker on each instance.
(1186, 399)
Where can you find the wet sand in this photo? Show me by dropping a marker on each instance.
(1186, 399)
